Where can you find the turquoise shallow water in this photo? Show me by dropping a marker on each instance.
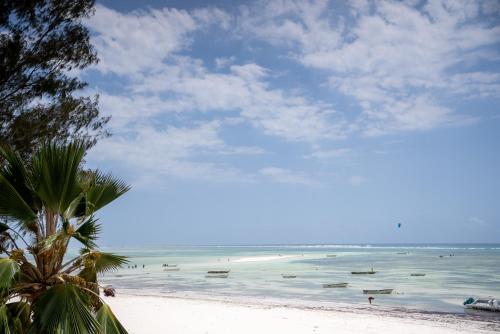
(472, 270)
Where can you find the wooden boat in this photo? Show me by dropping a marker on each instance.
(331, 255)
(216, 275)
(335, 285)
(363, 272)
(417, 274)
(483, 304)
(378, 292)
(218, 272)
(289, 276)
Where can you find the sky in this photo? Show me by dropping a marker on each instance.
(299, 122)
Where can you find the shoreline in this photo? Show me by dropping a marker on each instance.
(130, 307)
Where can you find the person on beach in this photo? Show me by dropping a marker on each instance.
(370, 299)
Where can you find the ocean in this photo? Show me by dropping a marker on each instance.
(452, 273)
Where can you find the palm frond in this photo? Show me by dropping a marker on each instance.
(98, 262)
(55, 168)
(4, 320)
(108, 321)
(63, 309)
(87, 232)
(18, 317)
(8, 270)
(102, 190)
(3, 227)
(12, 204)
(109, 261)
(16, 172)
(76, 208)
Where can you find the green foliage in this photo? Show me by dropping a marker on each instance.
(3, 227)
(15, 318)
(11, 202)
(64, 308)
(44, 203)
(40, 43)
(87, 232)
(8, 269)
(102, 190)
(55, 169)
(99, 262)
(4, 320)
(108, 321)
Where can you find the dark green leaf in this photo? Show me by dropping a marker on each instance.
(63, 308)
(102, 190)
(108, 321)
(3, 227)
(4, 320)
(55, 169)
(87, 232)
(8, 269)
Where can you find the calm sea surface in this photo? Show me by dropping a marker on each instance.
(452, 273)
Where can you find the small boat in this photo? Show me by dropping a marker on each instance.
(171, 265)
(331, 255)
(363, 272)
(289, 276)
(171, 269)
(378, 292)
(218, 271)
(403, 253)
(417, 274)
(483, 304)
(335, 285)
(216, 275)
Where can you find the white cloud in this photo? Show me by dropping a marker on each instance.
(329, 154)
(245, 89)
(394, 58)
(282, 175)
(128, 43)
(475, 223)
(174, 151)
(356, 180)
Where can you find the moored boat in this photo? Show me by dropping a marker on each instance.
(417, 274)
(483, 304)
(218, 272)
(378, 292)
(171, 269)
(335, 285)
(289, 276)
(370, 272)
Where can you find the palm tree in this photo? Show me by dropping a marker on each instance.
(45, 204)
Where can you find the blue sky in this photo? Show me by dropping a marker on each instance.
(299, 121)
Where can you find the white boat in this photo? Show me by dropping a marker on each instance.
(335, 285)
(483, 304)
(378, 292)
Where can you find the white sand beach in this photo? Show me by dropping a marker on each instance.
(173, 315)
